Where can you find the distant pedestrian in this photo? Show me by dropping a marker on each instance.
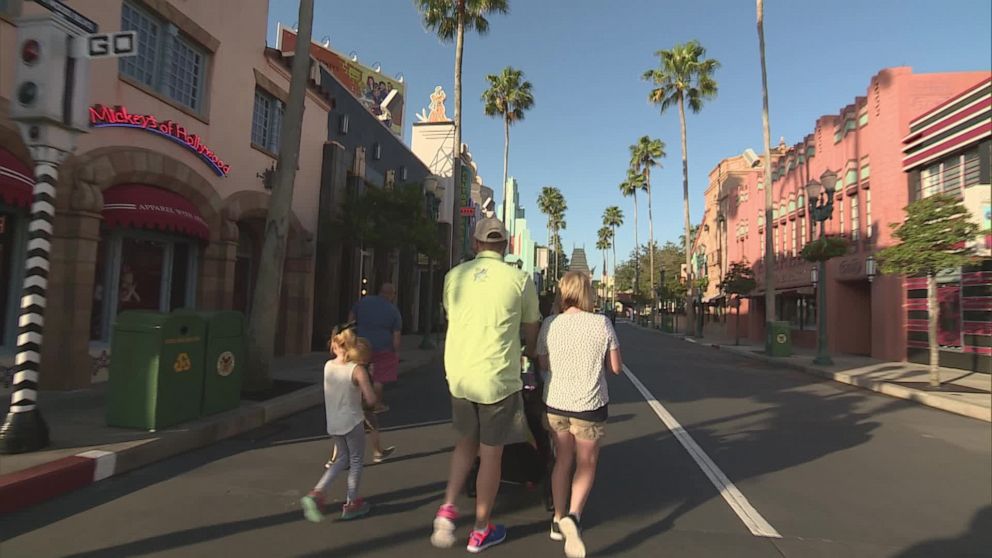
(576, 347)
(489, 305)
(346, 383)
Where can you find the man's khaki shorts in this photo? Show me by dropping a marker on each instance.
(581, 429)
(498, 424)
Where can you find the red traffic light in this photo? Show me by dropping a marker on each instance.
(30, 51)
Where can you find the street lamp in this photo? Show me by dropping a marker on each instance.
(820, 196)
(871, 268)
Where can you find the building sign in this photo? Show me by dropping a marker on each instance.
(118, 117)
(381, 95)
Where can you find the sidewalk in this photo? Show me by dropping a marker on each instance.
(84, 449)
(961, 392)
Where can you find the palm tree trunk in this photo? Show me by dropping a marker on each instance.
(637, 255)
(456, 166)
(654, 294)
(268, 287)
(690, 312)
(769, 243)
(613, 307)
(932, 311)
(506, 162)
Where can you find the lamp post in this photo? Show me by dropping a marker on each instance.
(433, 200)
(821, 207)
(871, 268)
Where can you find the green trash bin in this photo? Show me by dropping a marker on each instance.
(667, 323)
(156, 369)
(780, 339)
(224, 360)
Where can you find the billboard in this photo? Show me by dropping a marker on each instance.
(381, 95)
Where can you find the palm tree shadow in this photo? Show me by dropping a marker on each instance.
(978, 536)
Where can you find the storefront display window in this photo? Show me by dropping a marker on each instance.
(797, 309)
(11, 265)
(141, 271)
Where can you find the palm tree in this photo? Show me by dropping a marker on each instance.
(769, 241)
(552, 204)
(629, 187)
(613, 218)
(508, 96)
(643, 155)
(449, 19)
(603, 244)
(685, 76)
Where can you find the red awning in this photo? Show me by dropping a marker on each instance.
(147, 207)
(16, 184)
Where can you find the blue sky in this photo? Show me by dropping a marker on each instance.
(585, 59)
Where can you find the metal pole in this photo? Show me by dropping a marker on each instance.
(822, 353)
(427, 342)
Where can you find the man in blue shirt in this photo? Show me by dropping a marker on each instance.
(379, 321)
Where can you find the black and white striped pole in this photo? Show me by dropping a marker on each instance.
(49, 108)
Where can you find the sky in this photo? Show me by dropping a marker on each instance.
(585, 59)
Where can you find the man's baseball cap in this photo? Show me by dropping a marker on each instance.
(490, 229)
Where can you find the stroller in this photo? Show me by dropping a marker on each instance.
(527, 463)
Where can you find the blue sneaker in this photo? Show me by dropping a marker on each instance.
(481, 540)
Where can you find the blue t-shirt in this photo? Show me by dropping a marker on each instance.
(377, 320)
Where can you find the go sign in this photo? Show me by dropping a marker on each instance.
(112, 45)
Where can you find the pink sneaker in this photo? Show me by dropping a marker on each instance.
(444, 526)
(356, 509)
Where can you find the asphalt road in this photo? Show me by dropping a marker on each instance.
(831, 470)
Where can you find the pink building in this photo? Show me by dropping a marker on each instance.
(949, 151)
(862, 144)
(158, 217)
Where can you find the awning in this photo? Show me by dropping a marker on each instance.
(16, 184)
(146, 207)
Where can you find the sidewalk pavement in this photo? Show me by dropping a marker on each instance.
(961, 392)
(85, 450)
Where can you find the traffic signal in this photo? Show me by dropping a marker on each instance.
(50, 86)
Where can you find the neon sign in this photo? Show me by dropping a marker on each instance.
(118, 117)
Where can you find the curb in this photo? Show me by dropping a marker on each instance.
(885, 388)
(31, 486)
(27, 487)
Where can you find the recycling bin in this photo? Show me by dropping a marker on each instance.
(780, 339)
(156, 369)
(224, 360)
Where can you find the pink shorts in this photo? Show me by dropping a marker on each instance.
(385, 366)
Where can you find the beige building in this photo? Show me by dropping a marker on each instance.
(163, 203)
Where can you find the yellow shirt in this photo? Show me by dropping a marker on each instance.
(486, 301)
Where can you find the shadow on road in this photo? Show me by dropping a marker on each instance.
(975, 542)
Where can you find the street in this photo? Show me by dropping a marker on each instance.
(833, 470)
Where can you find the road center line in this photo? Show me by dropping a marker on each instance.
(754, 521)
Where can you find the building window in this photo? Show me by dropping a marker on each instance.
(775, 242)
(868, 225)
(972, 170)
(951, 175)
(139, 270)
(841, 216)
(851, 177)
(795, 241)
(863, 119)
(855, 221)
(799, 311)
(804, 238)
(166, 61)
(266, 121)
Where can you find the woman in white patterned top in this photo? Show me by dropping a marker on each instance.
(575, 348)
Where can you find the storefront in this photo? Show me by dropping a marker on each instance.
(148, 256)
(15, 202)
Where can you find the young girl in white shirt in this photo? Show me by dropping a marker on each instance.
(346, 382)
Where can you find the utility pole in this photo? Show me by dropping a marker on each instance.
(49, 107)
(268, 288)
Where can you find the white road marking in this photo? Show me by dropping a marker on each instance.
(753, 520)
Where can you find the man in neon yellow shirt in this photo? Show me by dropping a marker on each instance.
(489, 304)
